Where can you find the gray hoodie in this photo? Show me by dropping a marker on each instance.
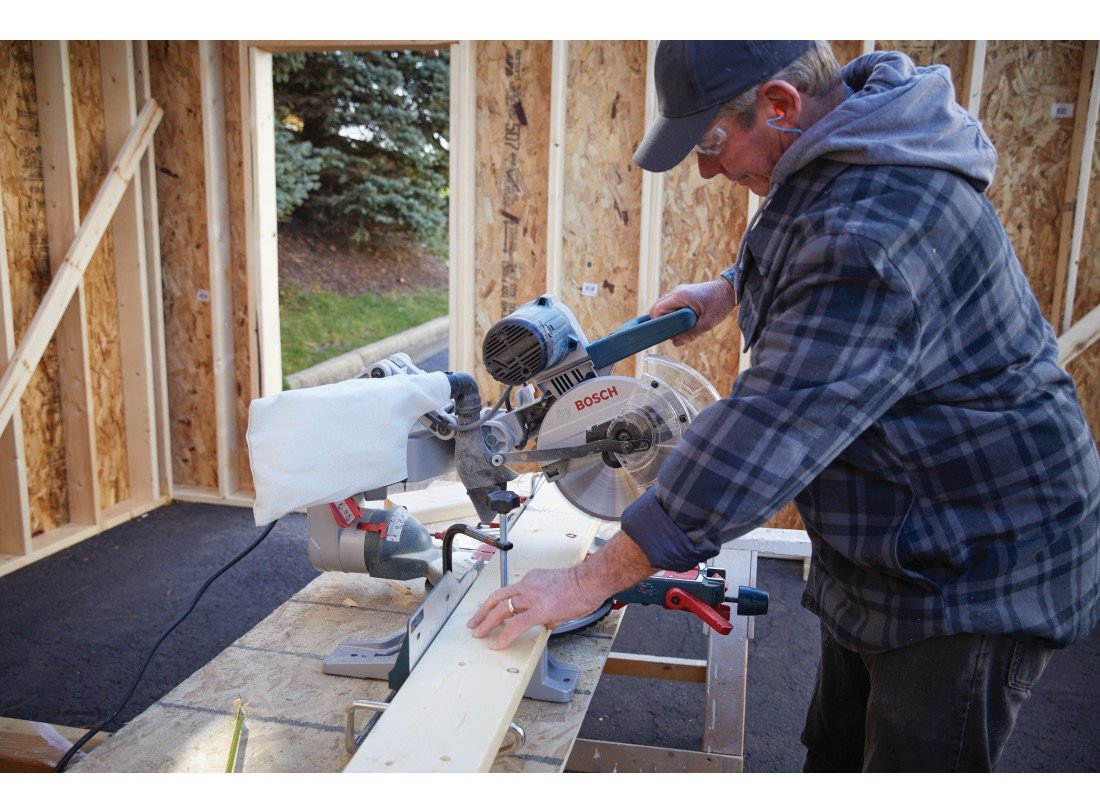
(898, 114)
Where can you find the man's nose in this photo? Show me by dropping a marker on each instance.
(709, 166)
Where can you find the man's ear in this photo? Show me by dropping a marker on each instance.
(780, 99)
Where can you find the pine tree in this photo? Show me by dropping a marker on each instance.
(361, 144)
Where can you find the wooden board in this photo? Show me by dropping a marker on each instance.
(1085, 369)
(29, 273)
(100, 291)
(601, 213)
(38, 746)
(60, 183)
(131, 277)
(483, 687)
(1022, 82)
(185, 264)
(434, 504)
(245, 385)
(513, 109)
(15, 534)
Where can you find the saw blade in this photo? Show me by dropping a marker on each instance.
(652, 408)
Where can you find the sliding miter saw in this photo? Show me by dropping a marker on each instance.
(600, 437)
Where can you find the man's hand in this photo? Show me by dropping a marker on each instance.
(712, 301)
(552, 596)
(543, 597)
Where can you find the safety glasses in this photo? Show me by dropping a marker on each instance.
(712, 141)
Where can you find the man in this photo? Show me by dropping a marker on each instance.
(904, 391)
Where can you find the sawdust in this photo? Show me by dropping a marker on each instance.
(309, 259)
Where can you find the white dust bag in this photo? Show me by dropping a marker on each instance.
(325, 443)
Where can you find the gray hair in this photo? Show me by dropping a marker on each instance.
(815, 72)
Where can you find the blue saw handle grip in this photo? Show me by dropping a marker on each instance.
(638, 334)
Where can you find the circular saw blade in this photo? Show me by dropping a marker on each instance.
(653, 406)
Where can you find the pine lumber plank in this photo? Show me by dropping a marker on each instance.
(60, 184)
(1079, 338)
(262, 221)
(636, 665)
(434, 504)
(147, 176)
(218, 236)
(15, 533)
(1076, 193)
(460, 728)
(787, 542)
(463, 211)
(593, 755)
(128, 235)
(728, 667)
(1084, 147)
(68, 275)
(27, 746)
(555, 203)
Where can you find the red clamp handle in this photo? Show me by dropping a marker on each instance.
(718, 617)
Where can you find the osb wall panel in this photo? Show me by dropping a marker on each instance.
(702, 224)
(1088, 266)
(513, 147)
(950, 53)
(29, 275)
(100, 286)
(181, 195)
(238, 265)
(1086, 367)
(1022, 81)
(601, 223)
(846, 50)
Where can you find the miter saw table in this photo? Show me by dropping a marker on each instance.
(599, 440)
(294, 714)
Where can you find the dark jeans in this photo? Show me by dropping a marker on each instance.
(946, 704)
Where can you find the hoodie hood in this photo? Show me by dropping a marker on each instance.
(896, 114)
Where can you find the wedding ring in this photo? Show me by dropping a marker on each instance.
(511, 607)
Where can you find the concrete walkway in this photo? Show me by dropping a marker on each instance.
(423, 344)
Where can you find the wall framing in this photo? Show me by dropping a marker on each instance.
(189, 278)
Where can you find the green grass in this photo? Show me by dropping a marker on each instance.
(318, 325)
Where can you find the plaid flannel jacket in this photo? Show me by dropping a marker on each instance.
(905, 392)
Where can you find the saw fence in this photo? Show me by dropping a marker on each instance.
(143, 385)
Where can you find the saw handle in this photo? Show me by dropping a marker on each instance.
(638, 334)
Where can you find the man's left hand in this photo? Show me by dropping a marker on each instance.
(552, 596)
(543, 597)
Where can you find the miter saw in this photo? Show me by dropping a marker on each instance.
(599, 437)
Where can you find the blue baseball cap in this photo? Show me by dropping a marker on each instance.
(693, 79)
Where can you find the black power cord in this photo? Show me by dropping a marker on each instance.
(64, 762)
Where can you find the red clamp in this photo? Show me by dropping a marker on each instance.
(718, 617)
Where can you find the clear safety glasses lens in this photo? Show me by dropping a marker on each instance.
(712, 141)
